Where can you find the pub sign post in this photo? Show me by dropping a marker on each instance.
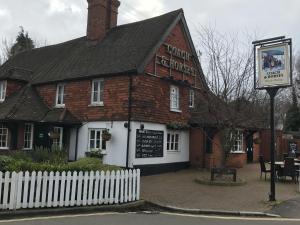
(272, 71)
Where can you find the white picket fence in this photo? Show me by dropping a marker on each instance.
(66, 189)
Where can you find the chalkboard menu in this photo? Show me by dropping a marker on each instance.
(149, 143)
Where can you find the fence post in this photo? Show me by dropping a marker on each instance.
(13, 190)
(117, 187)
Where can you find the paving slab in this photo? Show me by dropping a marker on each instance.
(179, 189)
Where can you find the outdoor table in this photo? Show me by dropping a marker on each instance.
(281, 163)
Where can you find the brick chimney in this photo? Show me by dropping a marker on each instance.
(102, 16)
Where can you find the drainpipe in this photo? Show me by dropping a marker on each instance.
(129, 119)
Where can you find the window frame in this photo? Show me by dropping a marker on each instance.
(3, 85)
(60, 105)
(100, 92)
(31, 136)
(191, 99)
(2, 127)
(238, 147)
(174, 105)
(171, 141)
(61, 132)
(95, 140)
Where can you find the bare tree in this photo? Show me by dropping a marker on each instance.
(228, 63)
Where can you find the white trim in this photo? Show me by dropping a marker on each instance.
(174, 95)
(191, 98)
(61, 131)
(61, 105)
(240, 142)
(99, 91)
(3, 85)
(173, 142)
(7, 134)
(95, 140)
(31, 136)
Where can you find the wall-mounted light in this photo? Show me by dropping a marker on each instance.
(142, 126)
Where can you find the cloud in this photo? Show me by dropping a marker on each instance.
(62, 20)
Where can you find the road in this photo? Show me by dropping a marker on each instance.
(146, 219)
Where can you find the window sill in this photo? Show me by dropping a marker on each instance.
(237, 152)
(60, 106)
(27, 149)
(4, 148)
(173, 151)
(96, 105)
(176, 110)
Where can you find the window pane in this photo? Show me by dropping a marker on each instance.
(103, 145)
(92, 136)
(176, 146)
(98, 134)
(92, 144)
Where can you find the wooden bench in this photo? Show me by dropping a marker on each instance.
(222, 171)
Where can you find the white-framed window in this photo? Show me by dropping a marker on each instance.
(60, 94)
(58, 140)
(95, 140)
(97, 92)
(191, 99)
(3, 137)
(2, 90)
(238, 142)
(173, 141)
(28, 136)
(174, 98)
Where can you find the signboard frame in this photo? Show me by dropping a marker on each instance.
(269, 44)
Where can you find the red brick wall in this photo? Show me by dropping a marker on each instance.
(177, 39)
(265, 144)
(256, 148)
(197, 150)
(151, 101)
(237, 160)
(78, 98)
(13, 86)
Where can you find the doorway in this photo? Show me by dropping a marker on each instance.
(249, 146)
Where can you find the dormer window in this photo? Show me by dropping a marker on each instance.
(2, 90)
(97, 92)
(60, 93)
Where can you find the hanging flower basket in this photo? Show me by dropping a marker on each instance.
(106, 136)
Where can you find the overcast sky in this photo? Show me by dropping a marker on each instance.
(56, 21)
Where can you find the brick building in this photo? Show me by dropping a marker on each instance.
(141, 83)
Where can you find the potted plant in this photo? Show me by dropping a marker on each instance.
(106, 135)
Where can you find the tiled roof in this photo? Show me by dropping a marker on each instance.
(26, 105)
(123, 50)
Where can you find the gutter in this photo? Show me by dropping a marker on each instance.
(129, 119)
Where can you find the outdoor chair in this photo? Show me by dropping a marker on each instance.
(263, 168)
(289, 169)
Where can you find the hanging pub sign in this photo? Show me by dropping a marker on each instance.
(273, 64)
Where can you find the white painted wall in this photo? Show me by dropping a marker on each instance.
(168, 157)
(72, 145)
(117, 146)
